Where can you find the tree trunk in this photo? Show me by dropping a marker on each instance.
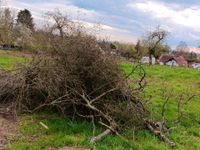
(150, 59)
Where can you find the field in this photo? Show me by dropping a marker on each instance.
(177, 84)
(9, 59)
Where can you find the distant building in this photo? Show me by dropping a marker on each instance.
(172, 60)
(195, 65)
(145, 60)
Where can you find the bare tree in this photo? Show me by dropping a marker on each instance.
(60, 22)
(153, 39)
(182, 47)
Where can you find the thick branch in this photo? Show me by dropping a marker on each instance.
(100, 136)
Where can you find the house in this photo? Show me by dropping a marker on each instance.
(195, 65)
(172, 60)
(145, 60)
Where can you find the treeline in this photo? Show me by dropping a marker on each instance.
(142, 49)
(138, 50)
(19, 31)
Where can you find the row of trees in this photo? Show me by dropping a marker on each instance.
(152, 45)
(22, 32)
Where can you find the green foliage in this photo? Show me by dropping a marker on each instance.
(24, 17)
(138, 48)
(161, 49)
(126, 49)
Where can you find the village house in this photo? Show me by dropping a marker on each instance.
(172, 60)
(146, 60)
(195, 65)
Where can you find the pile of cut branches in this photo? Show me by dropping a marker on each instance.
(78, 78)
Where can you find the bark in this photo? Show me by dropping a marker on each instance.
(100, 136)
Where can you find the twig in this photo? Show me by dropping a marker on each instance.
(152, 126)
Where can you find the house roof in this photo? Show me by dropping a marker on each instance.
(179, 59)
(165, 58)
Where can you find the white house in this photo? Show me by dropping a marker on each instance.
(172, 60)
(196, 65)
(146, 60)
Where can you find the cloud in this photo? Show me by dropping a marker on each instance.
(170, 13)
(88, 17)
(103, 31)
(38, 9)
(194, 36)
(195, 50)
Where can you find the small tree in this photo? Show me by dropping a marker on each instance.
(161, 49)
(152, 41)
(25, 18)
(138, 48)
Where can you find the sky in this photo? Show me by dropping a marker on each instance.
(126, 20)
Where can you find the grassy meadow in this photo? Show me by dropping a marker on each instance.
(175, 82)
(9, 59)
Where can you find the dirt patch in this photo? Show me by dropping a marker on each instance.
(8, 130)
(198, 139)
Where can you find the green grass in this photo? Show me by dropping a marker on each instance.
(63, 131)
(9, 59)
(8, 62)
(175, 82)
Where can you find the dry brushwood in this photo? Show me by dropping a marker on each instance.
(79, 79)
(159, 129)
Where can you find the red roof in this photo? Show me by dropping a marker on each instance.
(179, 59)
(165, 58)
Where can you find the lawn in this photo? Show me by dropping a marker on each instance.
(176, 82)
(9, 59)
